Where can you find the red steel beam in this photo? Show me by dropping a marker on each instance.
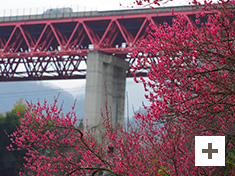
(56, 52)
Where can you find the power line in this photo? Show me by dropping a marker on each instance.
(46, 91)
(36, 91)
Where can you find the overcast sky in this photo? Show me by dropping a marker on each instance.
(94, 4)
(101, 4)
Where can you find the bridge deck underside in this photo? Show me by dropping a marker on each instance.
(58, 48)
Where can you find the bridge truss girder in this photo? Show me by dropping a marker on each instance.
(58, 48)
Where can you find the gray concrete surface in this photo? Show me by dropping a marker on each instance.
(106, 75)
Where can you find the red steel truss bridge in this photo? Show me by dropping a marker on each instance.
(55, 46)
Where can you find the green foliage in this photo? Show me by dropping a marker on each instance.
(231, 158)
(162, 171)
(9, 121)
(19, 107)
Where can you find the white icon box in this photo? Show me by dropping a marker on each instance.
(209, 150)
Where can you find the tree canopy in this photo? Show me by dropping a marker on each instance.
(191, 87)
(11, 161)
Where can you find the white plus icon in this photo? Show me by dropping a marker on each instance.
(209, 150)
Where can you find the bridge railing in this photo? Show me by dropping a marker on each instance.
(39, 11)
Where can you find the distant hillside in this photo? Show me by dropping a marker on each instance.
(35, 91)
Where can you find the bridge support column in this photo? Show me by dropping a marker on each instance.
(110, 72)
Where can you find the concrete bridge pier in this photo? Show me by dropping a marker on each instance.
(110, 72)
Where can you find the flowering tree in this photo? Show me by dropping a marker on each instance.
(191, 86)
